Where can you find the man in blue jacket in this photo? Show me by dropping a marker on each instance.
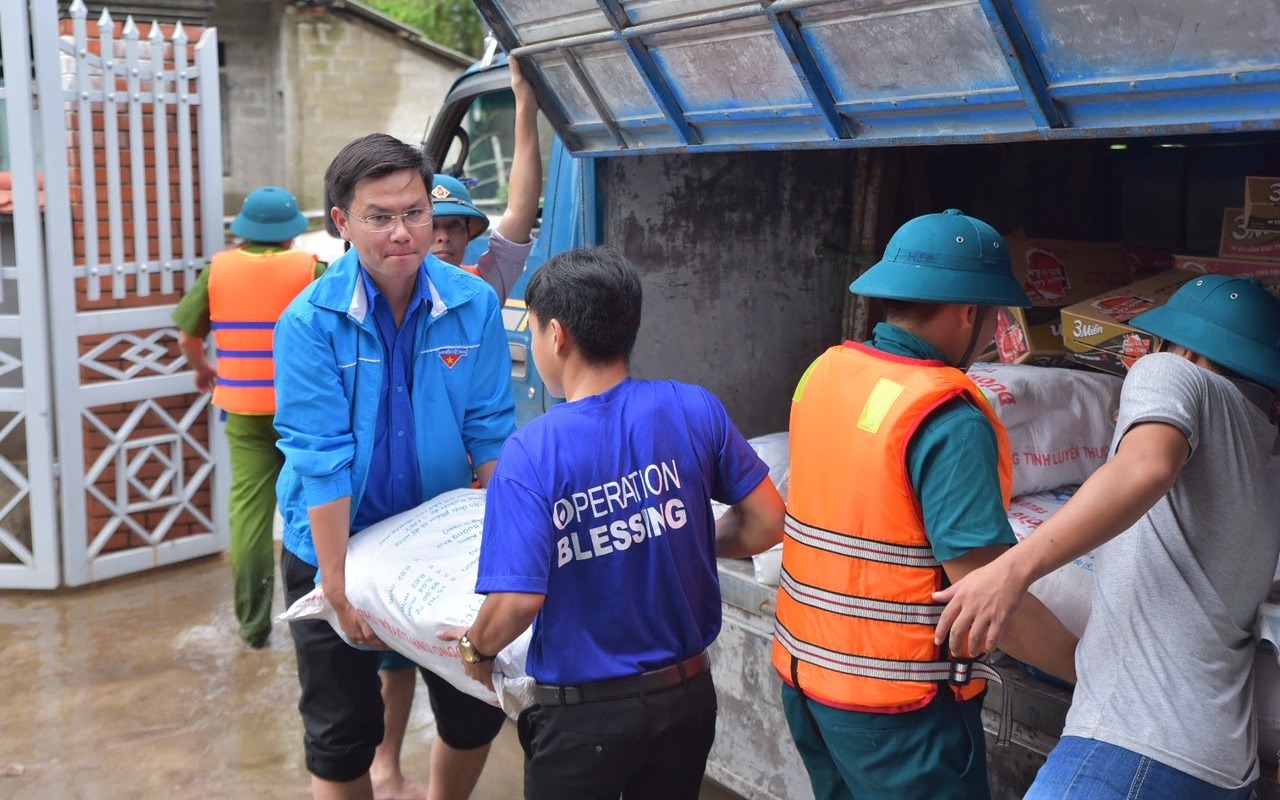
(393, 383)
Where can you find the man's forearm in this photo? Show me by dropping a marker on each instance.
(502, 618)
(752, 525)
(525, 180)
(1109, 503)
(192, 349)
(330, 532)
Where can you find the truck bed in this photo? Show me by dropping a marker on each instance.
(753, 753)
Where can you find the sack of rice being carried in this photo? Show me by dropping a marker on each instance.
(414, 575)
(774, 449)
(1060, 421)
(1068, 590)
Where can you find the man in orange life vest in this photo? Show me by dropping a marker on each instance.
(900, 482)
(239, 297)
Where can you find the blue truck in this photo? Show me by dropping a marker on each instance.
(752, 157)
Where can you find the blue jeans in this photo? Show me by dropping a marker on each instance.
(1084, 769)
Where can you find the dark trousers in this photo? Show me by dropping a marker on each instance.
(649, 747)
(341, 702)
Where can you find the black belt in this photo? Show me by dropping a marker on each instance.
(656, 680)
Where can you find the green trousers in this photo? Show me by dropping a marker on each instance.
(255, 465)
(938, 752)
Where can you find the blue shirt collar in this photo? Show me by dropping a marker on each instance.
(421, 291)
(341, 288)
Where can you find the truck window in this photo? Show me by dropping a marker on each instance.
(481, 150)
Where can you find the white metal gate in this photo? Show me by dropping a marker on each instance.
(129, 128)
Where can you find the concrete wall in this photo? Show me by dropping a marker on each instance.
(350, 78)
(299, 83)
(253, 87)
(737, 298)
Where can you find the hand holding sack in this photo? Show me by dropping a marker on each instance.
(414, 575)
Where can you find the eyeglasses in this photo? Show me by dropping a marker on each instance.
(381, 223)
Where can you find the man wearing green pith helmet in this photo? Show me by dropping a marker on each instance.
(1185, 519)
(900, 482)
(239, 297)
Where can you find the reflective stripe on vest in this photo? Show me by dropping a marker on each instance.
(856, 616)
(884, 669)
(247, 294)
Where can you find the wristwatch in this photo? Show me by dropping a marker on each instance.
(469, 652)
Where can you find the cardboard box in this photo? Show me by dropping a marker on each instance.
(1238, 268)
(1239, 242)
(1059, 272)
(1029, 336)
(1097, 332)
(1147, 261)
(1262, 203)
(1054, 273)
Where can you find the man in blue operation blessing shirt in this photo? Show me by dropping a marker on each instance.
(598, 530)
(393, 379)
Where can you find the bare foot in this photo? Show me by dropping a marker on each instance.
(402, 789)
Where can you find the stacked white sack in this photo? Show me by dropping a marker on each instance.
(1068, 590)
(414, 575)
(1060, 421)
(774, 450)
(1266, 674)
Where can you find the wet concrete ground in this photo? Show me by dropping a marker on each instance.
(140, 688)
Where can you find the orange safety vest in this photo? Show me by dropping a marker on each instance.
(247, 294)
(855, 618)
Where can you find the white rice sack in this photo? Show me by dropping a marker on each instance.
(774, 450)
(1060, 421)
(1068, 590)
(414, 575)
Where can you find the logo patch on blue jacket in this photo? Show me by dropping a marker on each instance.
(450, 356)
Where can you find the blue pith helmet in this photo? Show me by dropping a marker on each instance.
(1233, 322)
(269, 214)
(944, 258)
(451, 199)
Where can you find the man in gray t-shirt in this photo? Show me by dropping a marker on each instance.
(1188, 507)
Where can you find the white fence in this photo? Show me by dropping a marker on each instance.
(119, 472)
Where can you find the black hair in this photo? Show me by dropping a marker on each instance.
(372, 156)
(596, 295)
(911, 312)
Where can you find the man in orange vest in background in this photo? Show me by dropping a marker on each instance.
(900, 483)
(239, 297)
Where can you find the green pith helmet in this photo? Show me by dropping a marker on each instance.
(269, 214)
(451, 199)
(944, 258)
(1234, 322)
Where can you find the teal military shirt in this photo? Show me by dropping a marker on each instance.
(953, 461)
